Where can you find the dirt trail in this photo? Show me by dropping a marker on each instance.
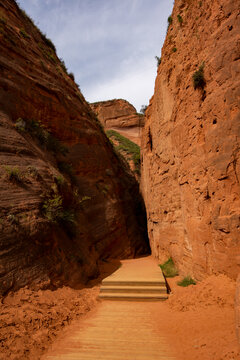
(195, 323)
(120, 330)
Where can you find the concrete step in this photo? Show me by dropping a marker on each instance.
(134, 282)
(133, 296)
(133, 289)
(139, 279)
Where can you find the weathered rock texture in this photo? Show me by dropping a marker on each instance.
(120, 115)
(237, 309)
(34, 85)
(191, 161)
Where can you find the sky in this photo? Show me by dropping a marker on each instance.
(109, 45)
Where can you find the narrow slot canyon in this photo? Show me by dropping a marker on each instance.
(119, 229)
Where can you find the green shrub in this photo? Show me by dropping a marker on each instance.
(20, 124)
(52, 208)
(59, 180)
(180, 19)
(54, 211)
(23, 33)
(168, 268)
(48, 41)
(32, 171)
(170, 20)
(198, 78)
(27, 17)
(13, 174)
(127, 146)
(51, 57)
(71, 75)
(143, 109)
(37, 130)
(159, 60)
(63, 66)
(13, 219)
(174, 49)
(186, 281)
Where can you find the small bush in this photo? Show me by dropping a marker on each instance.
(174, 49)
(169, 269)
(27, 17)
(23, 33)
(32, 171)
(198, 78)
(143, 109)
(51, 57)
(13, 219)
(52, 208)
(186, 281)
(127, 146)
(71, 75)
(36, 129)
(180, 19)
(170, 20)
(20, 125)
(59, 180)
(54, 211)
(48, 41)
(159, 60)
(13, 174)
(63, 66)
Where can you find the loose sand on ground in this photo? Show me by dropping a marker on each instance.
(197, 322)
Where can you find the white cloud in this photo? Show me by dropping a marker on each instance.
(109, 45)
(136, 86)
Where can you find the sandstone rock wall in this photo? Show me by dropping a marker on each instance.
(117, 113)
(191, 150)
(237, 309)
(35, 86)
(120, 115)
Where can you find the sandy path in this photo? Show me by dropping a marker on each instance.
(195, 323)
(117, 329)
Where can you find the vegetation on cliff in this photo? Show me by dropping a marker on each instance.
(126, 147)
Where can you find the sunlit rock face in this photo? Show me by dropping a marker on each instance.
(100, 199)
(191, 162)
(120, 115)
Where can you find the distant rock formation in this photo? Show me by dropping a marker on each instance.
(66, 200)
(120, 115)
(191, 148)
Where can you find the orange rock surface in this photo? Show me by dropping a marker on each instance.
(35, 86)
(191, 161)
(120, 115)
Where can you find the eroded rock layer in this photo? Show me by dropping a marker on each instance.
(120, 115)
(45, 195)
(191, 151)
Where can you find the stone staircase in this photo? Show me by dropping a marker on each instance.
(142, 282)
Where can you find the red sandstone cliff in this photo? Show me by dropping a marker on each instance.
(120, 115)
(40, 187)
(191, 149)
